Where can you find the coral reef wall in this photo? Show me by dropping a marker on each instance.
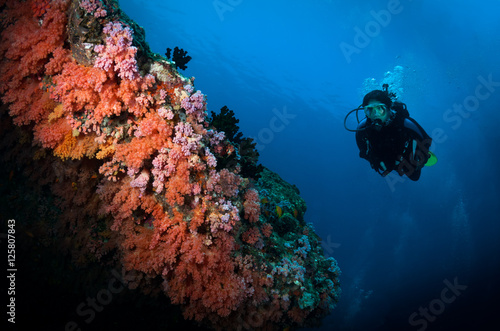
(142, 177)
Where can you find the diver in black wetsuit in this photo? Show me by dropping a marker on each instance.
(389, 138)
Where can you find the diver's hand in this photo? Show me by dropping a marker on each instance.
(384, 168)
(417, 157)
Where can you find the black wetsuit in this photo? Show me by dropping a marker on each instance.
(402, 145)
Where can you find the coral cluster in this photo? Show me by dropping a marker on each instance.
(179, 57)
(146, 181)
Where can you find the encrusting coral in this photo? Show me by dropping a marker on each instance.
(147, 182)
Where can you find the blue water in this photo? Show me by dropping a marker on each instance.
(291, 70)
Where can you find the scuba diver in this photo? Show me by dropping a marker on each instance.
(389, 138)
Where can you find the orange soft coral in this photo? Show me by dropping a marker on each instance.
(52, 134)
(135, 152)
(76, 146)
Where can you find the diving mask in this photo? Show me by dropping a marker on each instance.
(376, 111)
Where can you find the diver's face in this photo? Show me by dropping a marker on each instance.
(375, 110)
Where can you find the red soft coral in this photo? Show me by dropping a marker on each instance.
(27, 46)
(252, 205)
(251, 236)
(267, 230)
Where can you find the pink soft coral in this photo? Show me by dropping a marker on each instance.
(118, 54)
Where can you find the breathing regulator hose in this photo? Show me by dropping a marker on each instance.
(357, 118)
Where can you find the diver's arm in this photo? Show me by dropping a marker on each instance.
(417, 144)
(363, 144)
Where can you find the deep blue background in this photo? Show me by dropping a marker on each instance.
(396, 242)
